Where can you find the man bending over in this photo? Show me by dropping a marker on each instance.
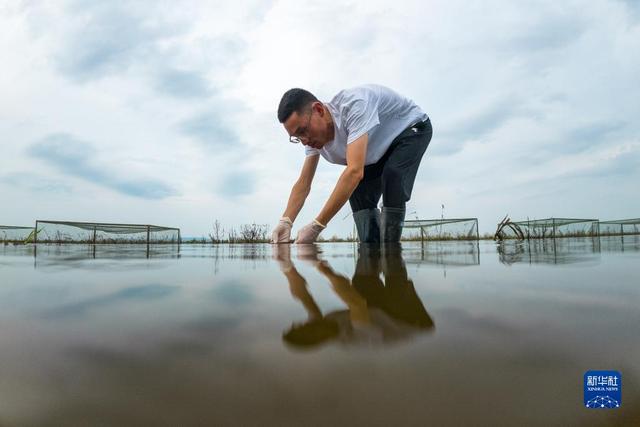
(380, 138)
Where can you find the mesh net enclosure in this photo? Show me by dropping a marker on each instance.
(11, 233)
(441, 229)
(95, 232)
(551, 228)
(620, 227)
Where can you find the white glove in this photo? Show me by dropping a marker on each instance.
(309, 233)
(282, 232)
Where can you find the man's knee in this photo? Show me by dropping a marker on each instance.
(392, 176)
(366, 195)
(396, 193)
(359, 202)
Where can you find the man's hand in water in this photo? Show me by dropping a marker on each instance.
(282, 232)
(309, 233)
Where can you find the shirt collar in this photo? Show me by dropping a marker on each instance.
(334, 115)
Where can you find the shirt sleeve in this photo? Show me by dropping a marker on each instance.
(360, 120)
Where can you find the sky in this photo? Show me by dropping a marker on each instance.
(164, 113)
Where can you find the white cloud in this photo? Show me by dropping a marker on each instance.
(534, 104)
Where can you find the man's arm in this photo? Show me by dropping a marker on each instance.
(358, 309)
(348, 181)
(301, 188)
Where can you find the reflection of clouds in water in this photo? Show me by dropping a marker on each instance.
(211, 325)
(484, 325)
(233, 292)
(141, 294)
(99, 266)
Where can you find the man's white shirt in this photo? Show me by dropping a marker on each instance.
(372, 109)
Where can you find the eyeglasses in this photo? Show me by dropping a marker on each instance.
(303, 132)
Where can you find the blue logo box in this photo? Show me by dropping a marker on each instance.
(602, 389)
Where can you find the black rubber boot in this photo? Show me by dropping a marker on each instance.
(368, 225)
(391, 224)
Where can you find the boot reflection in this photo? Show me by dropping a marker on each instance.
(397, 296)
(378, 312)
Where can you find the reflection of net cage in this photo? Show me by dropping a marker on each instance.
(73, 255)
(553, 227)
(447, 253)
(98, 233)
(441, 229)
(542, 251)
(11, 233)
(620, 243)
(620, 227)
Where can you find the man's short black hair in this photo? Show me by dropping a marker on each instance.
(295, 99)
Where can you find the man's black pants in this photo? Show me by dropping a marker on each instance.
(392, 176)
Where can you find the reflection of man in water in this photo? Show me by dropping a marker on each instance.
(378, 311)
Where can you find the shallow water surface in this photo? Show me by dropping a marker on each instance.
(454, 333)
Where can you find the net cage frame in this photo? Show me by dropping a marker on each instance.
(541, 226)
(617, 227)
(17, 229)
(424, 224)
(109, 229)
